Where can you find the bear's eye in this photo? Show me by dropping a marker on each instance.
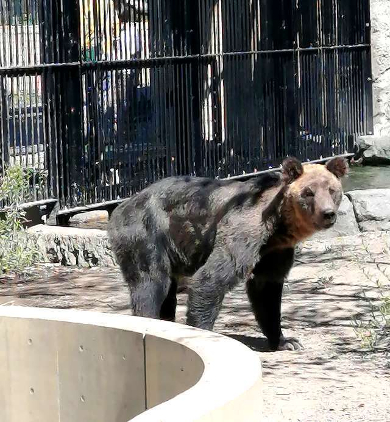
(308, 193)
(331, 191)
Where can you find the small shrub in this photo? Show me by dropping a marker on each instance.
(16, 251)
(374, 330)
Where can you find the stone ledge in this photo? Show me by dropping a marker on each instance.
(374, 150)
(73, 246)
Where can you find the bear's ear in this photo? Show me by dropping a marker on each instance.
(291, 169)
(338, 166)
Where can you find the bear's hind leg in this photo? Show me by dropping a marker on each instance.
(168, 308)
(265, 294)
(149, 288)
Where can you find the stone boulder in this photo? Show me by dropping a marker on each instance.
(346, 224)
(374, 149)
(73, 246)
(372, 209)
(91, 219)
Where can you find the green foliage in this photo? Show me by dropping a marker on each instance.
(14, 185)
(16, 251)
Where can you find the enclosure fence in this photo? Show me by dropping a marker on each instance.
(102, 97)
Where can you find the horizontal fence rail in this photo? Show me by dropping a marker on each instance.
(102, 97)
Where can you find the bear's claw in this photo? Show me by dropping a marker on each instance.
(290, 343)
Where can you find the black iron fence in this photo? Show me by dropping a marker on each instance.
(103, 97)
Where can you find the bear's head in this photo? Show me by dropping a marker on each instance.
(313, 193)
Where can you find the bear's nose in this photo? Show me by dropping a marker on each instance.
(329, 215)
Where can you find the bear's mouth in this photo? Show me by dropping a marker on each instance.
(329, 223)
(325, 224)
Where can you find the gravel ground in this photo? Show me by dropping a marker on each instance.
(332, 379)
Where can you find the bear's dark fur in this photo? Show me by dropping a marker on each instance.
(210, 235)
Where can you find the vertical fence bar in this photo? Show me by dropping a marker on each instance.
(70, 92)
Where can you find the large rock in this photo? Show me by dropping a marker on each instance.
(73, 246)
(90, 220)
(372, 208)
(374, 149)
(346, 224)
(89, 217)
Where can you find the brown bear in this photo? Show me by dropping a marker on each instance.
(212, 234)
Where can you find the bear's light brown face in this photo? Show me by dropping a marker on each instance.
(313, 195)
(316, 196)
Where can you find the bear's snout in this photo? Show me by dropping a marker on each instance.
(329, 217)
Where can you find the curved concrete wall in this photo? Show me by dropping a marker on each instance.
(71, 366)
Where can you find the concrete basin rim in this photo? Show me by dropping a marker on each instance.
(231, 369)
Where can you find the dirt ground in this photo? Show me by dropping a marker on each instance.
(332, 379)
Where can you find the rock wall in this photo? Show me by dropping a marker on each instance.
(380, 41)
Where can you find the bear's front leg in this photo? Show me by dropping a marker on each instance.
(208, 288)
(264, 290)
